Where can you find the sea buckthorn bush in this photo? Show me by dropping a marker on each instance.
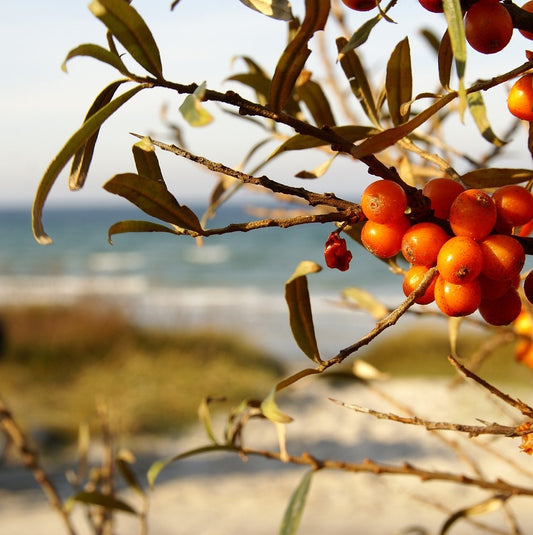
(444, 216)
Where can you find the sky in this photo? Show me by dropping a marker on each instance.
(41, 106)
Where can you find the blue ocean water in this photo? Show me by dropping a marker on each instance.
(234, 281)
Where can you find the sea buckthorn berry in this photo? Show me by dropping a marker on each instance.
(460, 260)
(503, 256)
(488, 26)
(525, 230)
(494, 288)
(520, 98)
(335, 252)
(528, 6)
(411, 281)
(384, 241)
(360, 5)
(422, 242)
(473, 214)
(435, 6)
(457, 299)
(383, 201)
(528, 286)
(502, 310)
(442, 192)
(514, 204)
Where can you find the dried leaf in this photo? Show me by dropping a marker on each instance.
(496, 177)
(103, 500)
(154, 199)
(146, 160)
(300, 314)
(277, 9)
(366, 301)
(193, 111)
(445, 60)
(315, 99)
(486, 506)
(293, 59)
(124, 461)
(125, 23)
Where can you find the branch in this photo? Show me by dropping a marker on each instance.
(525, 409)
(30, 459)
(472, 430)
(406, 469)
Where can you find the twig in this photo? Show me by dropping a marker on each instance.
(525, 409)
(30, 459)
(472, 430)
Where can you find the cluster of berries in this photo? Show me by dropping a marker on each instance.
(470, 240)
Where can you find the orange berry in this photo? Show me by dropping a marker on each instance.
(526, 229)
(520, 98)
(360, 5)
(422, 242)
(411, 281)
(457, 299)
(528, 6)
(494, 288)
(460, 260)
(382, 240)
(528, 286)
(383, 201)
(442, 192)
(488, 26)
(473, 214)
(502, 310)
(503, 256)
(514, 204)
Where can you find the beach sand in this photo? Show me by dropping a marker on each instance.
(221, 494)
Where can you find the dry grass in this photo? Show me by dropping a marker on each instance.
(57, 364)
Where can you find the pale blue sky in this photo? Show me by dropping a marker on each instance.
(41, 106)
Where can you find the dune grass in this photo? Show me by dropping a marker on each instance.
(57, 364)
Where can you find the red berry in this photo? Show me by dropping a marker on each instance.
(335, 252)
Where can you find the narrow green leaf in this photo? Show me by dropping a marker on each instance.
(311, 93)
(295, 55)
(99, 53)
(318, 171)
(272, 412)
(293, 513)
(477, 108)
(399, 82)
(156, 468)
(366, 301)
(456, 30)
(496, 177)
(277, 9)
(103, 500)
(154, 199)
(356, 75)
(300, 314)
(125, 23)
(389, 137)
(123, 227)
(146, 160)
(76, 142)
(83, 157)
(360, 36)
(257, 81)
(193, 111)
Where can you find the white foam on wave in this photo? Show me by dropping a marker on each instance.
(109, 262)
(29, 289)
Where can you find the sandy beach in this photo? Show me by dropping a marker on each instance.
(222, 494)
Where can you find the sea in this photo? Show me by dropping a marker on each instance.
(233, 282)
